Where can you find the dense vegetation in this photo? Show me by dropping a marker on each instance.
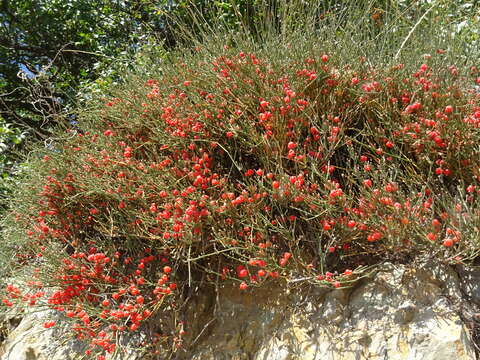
(301, 151)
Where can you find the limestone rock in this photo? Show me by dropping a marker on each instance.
(31, 341)
(470, 283)
(400, 314)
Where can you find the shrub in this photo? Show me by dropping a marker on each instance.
(285, 162)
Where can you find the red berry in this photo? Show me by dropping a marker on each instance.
(243, 285)
(48, 324)
(273, 274)
(291, 145)
(134, 291)
(167, 269)
(374, 236)
(448, 242)
(243, 273)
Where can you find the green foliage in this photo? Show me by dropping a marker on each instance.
(64, 40)
(10, 138)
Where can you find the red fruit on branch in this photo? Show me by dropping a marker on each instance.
(48, 324)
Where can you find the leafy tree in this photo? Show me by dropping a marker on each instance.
(65, 41)
(9, 137)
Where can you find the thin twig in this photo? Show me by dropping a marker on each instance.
(201, 332)
(189, 268)
(412, 30)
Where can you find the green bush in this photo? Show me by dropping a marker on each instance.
(300, 159)
(10, 139)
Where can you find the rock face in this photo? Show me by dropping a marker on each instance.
(400, 313)
(29, 340)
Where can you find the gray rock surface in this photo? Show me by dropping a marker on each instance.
(29, 340)
(400, 314)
